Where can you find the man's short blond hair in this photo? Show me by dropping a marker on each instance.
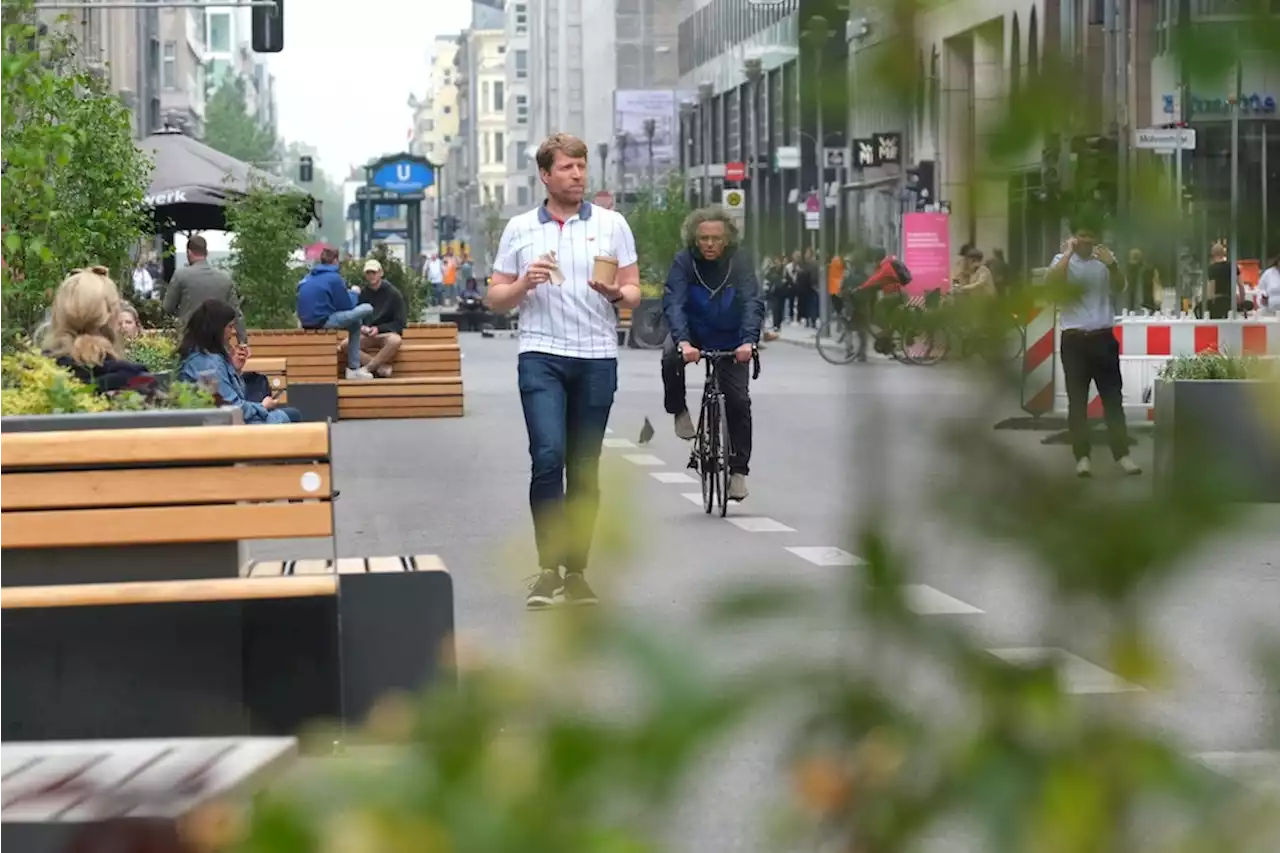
(566, 143)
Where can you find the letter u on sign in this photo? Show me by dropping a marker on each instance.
(404, 172)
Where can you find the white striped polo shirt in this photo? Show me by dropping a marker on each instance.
(568, 319)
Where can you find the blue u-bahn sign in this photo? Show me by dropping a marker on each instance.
(403, 175)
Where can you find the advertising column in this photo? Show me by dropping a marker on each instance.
(926, 250)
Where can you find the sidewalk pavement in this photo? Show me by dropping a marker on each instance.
(794, 334)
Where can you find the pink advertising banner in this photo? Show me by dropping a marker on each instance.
(926, 250)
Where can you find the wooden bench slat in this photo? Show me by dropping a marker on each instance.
(165, 525)
(455, 411)
(312, 567)
(353, 403)
(167, 592)
(170, 444)
(265, 365)
(399, 563)
(137, 487)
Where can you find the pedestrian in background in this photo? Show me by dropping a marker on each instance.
(199, 282)
(1090, 352)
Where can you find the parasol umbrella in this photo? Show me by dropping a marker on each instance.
(192, 183)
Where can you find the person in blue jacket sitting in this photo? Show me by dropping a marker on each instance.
(206, 361)
(713, 301)
(324, 302)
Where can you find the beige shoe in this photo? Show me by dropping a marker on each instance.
(684, 426)
(738, 487)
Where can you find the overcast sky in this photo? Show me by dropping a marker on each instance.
(348, 67)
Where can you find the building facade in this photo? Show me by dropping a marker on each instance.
(521, 187)
(718, 42)
(182, 69)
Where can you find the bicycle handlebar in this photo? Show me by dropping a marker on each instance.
(715, 354)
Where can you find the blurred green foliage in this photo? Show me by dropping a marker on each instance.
(267, 229)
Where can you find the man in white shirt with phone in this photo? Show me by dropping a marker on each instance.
(567, 264)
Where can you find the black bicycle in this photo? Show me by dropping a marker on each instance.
(712, 447)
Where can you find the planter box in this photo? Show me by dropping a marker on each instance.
(149, 419)
(1220, 426)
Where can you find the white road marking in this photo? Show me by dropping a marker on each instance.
(617, 442)
(693, 497)
(672, 477)
(927, 601)
(645, 459)
(1078, 674)
(1253, 768)
(758, 524)
(825, 555)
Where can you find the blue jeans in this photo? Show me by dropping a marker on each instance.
(566, 409)
(351, 320)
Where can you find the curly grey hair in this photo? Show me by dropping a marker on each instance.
(689, 230)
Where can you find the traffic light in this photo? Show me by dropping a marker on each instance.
(922, 180)
(268, 28)
(1097, 170)
(447, 228)
(306, 168)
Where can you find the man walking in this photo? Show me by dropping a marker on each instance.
(198, 281)
(568, 363)
(435, 277)
(1090, 351)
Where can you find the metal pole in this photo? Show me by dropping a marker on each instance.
(603, 150)
(821, 166)
(1266, 249)
(650, 128)
(622, 167)
(1177, 183)
(1123, 140)
(752, 69)
(705, 91)
(1233, 249)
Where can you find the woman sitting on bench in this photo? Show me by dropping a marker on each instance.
(205, 353)
(83, 334)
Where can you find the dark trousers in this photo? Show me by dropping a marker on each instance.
(566, 409)
(782, 306)
(1093, 357)
(734, 381)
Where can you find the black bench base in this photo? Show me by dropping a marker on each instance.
(117, 563)
(254, 667)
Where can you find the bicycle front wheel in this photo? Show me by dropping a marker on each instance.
(836, 341)
(708, 441)
(725, 448)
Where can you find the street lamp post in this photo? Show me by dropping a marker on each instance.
(603, 150)
(686, 142)
(705, 91)
(650, 129)
(753, 71)
(818, 34)
(620, 142)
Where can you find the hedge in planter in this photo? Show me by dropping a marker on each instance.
(1219, 415)
(35, 385)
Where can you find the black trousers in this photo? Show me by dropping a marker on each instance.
(1093, 356)
(734, 381)
(781, 306)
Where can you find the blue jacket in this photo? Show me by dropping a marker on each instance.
(322, 294)
(230, 387)
(713, 304)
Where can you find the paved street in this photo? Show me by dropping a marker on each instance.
(830, 443)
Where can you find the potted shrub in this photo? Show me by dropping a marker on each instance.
(1219, 413)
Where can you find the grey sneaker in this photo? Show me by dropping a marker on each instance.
(1084, 468)
(358, 373)
(1128, 466)
(738, 487)
(577, 592)
(542, 593)
(684, 426)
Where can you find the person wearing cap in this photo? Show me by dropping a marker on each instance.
(382, 332)
(324, 303)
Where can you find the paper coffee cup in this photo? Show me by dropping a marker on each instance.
(604, 270)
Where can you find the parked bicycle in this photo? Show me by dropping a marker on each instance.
(712, 447)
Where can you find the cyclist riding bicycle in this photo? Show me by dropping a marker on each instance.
(889, 277)
(713, 301)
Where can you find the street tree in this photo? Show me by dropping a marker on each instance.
(231, 129)
(656, 219)
(74, 181)
(267, 229)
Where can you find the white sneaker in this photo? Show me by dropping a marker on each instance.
(358, 373)
(1084, 468)
(738, 487)
(684, 426)
(1128, 466)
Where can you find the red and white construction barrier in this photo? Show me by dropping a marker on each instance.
(1146, 344)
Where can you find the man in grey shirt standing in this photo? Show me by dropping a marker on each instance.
(1090, 351)
(198, 281)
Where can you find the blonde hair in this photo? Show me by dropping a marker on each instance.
(567, 143)
(82, 326)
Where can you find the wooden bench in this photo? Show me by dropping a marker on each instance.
(426, 379)
(624, 325)
(74, 795)
(310, 364)
(277, 372)
(286, 644)
(160, 503)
